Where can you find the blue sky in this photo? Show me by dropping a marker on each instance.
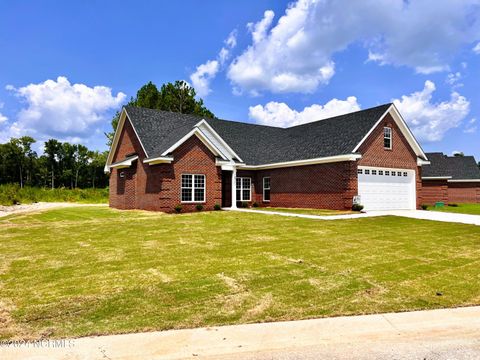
(67, 66)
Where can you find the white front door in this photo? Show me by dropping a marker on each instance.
(386, 188)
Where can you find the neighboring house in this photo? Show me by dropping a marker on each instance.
(451, 179)
(161, 159)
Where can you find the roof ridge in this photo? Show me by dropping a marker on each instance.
(337, 116)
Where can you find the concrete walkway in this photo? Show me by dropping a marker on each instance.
(434, 334)
(414, 214)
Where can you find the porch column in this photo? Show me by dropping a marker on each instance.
(234, 188)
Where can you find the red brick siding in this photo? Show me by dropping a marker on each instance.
(464, 192)
(401, 156)
(322, 186)
(158, 187)
(434, 191)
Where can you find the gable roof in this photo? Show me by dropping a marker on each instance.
(456, 167)
(259, 144)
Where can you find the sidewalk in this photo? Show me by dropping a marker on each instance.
(446, 333)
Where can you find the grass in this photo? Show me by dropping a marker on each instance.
(91, 270)
(11, 194)
(473, 209)
(321, 212)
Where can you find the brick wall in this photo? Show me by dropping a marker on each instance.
(400, 155)
(464, 192)
(434, 191)
(322, 186)
(158, 187)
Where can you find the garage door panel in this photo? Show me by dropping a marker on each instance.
(379, 191)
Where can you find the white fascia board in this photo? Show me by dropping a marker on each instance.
(124, 163)
(421, 162)
(324, 160)
(397, 117)
(436, 177)
(159, 160)
(219, 138)
(464, 180)
(116, 137)
(197, 132)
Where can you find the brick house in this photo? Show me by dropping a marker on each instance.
(451, 179)
(161, 159)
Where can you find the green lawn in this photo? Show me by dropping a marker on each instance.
(473, 209)
(321, 212)
(84, 271)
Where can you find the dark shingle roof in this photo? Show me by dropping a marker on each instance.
(259, 144)
(458, 167)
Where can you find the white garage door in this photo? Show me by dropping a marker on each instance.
(386, 189)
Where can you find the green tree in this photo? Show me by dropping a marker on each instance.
(175, 97)
(52, 151)
(21, 151)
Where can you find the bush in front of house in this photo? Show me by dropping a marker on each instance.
(357, 207)
(424, 206)
(453, 205)
(199, 207)
(217, 207)
(178, 209)
(244, 204)
(255, 204)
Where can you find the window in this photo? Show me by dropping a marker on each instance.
(405, 174)
(380, 172)
(266, 189)
(399, 173)
(367, 172)
(360, 171)
(393, 173)
(387, 138)
(374, 172)
(193, 188)
(387, 173)
(244, 185)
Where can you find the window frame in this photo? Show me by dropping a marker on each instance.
(389, 138)
(242, 188)
(193, 188)
(264, 188)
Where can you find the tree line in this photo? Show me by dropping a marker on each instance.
(61, 165)
(75, 166)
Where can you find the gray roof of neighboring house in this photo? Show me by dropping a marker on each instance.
(259, 144)
(458, 167)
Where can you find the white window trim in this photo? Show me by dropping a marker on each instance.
(241, 188)
(269, 188)
(193, 189)
(391, 137)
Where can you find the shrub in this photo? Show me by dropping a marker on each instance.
(199, 207)
(217, 207)
(255, 204)
(178, 209)
(357, 207)
(244, 204)
(453, 205)
(424, 206)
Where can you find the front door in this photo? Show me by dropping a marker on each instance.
(226, 188)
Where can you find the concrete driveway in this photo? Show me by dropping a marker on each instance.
(434, 334)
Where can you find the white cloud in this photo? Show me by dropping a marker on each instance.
(296, 53)
(430, 120)
(453, 79)
(280, 114)
(471, 126)
(61, 109)
(3, 118)
(206, 72)
(476, 48)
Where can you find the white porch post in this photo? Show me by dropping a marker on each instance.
(234, 188)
